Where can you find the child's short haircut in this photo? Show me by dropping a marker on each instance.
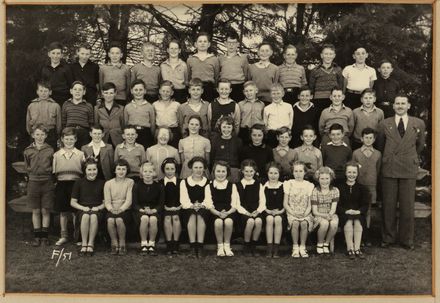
(41, 127)
(148, 44)
(197, 117)
(115, 44)
(265, 43)
(336, 126)
(195, 82)
(249, 162)
(169, 160)
(129, 127)
(203, 34)
(54, 45)
(44, 84)
(175, 41)
(356, 47)
(368, 91)
(328, 46)
(224, 119)
(123, 162)
(231, 34)
(221, 163)
(89, 161)
(304, 88)
(68, 131)
(308, 127)
(277, 86)
(283, 130)
(273, 164)
(83, 45)
(223, 80)
(368, 131)
(77, 82)
(294, 163)
(108, 86)
(289, 46)
(136, 82)
(197, 159)
(97, 126)
(353, 164)
(336, 88)
(385, 61)
(167, 83)
(257, 126)
(249, 83)
(170, 133)
(324, 170)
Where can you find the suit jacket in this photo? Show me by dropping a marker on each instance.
(401, 155)
(106, 159)
(112, 123)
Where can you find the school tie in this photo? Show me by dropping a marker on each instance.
(401, 128)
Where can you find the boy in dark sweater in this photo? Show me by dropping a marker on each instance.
(386, 88)
(336, 153)
(304, 113)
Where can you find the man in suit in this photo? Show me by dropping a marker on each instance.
(401, 139)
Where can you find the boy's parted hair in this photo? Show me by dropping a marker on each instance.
(114, 44)
(136, 82)
(308, 127)
(97, 126)
(79, 83)
(283, 130)
(68, 131)
(197, 159)
(129, 126)
(123, 162)
(368, 131)
(304, 88)
(45, 84)
(336, 126)
(54, 45)
(258, 126)
(289, 46)
(107, 86)
(385, 61)
(221, 163)
(224, 80)
(277, 86)
(195, 82)
(249, 83)
(40, 126)
(337, 88)
(231, 34)
(328, 46)
(368, 91)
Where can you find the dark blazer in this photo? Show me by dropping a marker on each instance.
(112, 124)
(106, 157)
(400, 156)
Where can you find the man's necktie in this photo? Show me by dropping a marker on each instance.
(401, 128)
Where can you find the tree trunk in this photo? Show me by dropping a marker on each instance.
(119, 27)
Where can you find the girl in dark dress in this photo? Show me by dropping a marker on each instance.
(352, 207)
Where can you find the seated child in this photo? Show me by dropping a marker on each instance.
(274, 212)
(117, 201)
(307, 153)
(297, 193)
(221, 198)
(324, 200)
(282, 154)
(148, 198)
(251, 205)
(38, 159)
(251, 111)
(88, 200)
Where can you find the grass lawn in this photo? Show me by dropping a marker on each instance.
(384, 271)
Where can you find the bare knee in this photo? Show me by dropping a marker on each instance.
(176, 219)
(278, 220)
(229, 222)
(258, 222)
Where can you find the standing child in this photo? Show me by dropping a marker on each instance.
(193, 146)
(324, 201)
(282, 154)
(166, 110)
(252, 203)
(226, 147)
(117, 200)
(264, 73)
(140, 113)
(352, 208)
(44, 110)
(67, 168)
(194, 106)
(148, 72)
(116, 72)
(148, 197)
(204, 65)
(307, 153)
(110, 115)
(102, 153)
(175, 70)
(88, 199)
(172, 207)
(57, 73)
(221, 198)
(324, 77)
(369, 160)
(292, 75)
(156, 154)
(131, 151)
(223, 106)
(78, 113)
(251, 111)
(386, 88)
(234, 66)
(367, 115)
(305, 113)
(38, 159)
(87, 72)
(357, 77)
(257, 150)
(297, 193)
(192, 196)
(277, 114)
(274, 212)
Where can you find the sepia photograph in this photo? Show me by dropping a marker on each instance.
(219, 149)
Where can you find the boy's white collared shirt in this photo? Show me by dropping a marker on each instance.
(96, 149)
(277, 115)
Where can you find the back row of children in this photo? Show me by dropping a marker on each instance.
(232, 66)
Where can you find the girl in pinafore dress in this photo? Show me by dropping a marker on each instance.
(192, 196)
(192, 146)
(324, 201)
(172, 207)
(297, 194)
(221, 199)
(352, 208)
(275, 215)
